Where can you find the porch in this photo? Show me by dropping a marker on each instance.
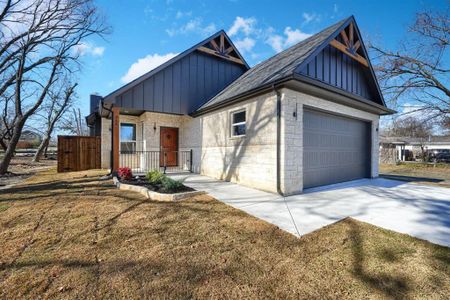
(142, 161)
(146, 141)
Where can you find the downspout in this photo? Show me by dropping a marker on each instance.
(278, 107)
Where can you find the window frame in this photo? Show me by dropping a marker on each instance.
(133, 125)
(232, 125)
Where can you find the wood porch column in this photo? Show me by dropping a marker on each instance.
(115, 139)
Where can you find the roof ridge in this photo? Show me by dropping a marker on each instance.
(173, 60)
(268, 63)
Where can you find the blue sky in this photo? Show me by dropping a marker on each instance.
(145, 33)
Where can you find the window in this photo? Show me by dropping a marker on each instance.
(238, 123)
(127, 138)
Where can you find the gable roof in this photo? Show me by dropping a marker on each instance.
(282, 66)
(200, 46)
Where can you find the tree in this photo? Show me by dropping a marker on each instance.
(59, 102)
(418, 72)
(73, 123)
(413, 127)
(37, 43)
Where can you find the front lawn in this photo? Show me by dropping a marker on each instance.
(441, 172)
(74, 236)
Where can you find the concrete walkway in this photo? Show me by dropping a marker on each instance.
(418, 210)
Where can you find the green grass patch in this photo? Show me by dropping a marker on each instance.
(4, 207)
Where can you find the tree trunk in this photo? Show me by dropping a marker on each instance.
(3, 145)
(41, 148)
(46, 149)
(9, 153)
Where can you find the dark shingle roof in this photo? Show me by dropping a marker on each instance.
(277, 67)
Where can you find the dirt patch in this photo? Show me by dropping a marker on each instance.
(74, 235)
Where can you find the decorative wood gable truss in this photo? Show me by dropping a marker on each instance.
(351, 45)
(341, 61)
(222, 47)
(185, 82)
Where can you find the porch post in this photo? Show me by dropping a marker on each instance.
(115, 139)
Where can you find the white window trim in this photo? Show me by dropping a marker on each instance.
(128, 141)
(232, 125)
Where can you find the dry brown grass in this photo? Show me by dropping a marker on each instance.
(73, 236)
(438, 171)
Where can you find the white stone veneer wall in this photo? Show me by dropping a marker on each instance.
(248, 160)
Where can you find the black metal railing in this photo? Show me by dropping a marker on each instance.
(164, 161)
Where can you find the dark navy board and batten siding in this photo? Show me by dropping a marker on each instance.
(335, 68)
(183, 86)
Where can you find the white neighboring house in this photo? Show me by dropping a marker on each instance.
(407, 148)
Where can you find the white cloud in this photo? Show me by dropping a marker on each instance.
(86, 48)
(276, 42)
(294, 36)
(310, 17)
(245, 45)
(291, 37)
(181, 14)
(244, 25)
(194, 25)
(335, 8)
(146, 64)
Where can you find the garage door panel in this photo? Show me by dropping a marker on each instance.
(336, 149)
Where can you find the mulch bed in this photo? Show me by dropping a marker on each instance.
(142, 181)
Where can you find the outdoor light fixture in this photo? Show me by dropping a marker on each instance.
(154, 126)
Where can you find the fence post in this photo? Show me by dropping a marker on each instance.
(190, 161)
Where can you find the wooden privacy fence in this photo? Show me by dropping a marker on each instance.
(78, 153)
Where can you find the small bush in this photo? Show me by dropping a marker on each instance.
(155, 177)
(171, 185)
(125, 173)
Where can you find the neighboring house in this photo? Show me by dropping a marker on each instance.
(393, 149)
(305, 117)
(29, 139)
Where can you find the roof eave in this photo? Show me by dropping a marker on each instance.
(243, 96)
(382, 110)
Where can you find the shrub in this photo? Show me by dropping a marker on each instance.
(125, 173)
(155, 177)
(171, 185)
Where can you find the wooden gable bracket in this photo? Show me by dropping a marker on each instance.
(219, 50)
(351, 47)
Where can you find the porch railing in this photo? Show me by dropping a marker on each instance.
(164, 161)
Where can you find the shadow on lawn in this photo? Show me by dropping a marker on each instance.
(54, 188)
(391, 285)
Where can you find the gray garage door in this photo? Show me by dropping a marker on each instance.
(336, 149)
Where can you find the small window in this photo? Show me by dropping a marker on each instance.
(127, 138)
(238, 126)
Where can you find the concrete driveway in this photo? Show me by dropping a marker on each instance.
(418, 210)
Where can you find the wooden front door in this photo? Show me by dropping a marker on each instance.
(169, 147)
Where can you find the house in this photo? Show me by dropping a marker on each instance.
(394, 149)
(306, 117)
(29, 139)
